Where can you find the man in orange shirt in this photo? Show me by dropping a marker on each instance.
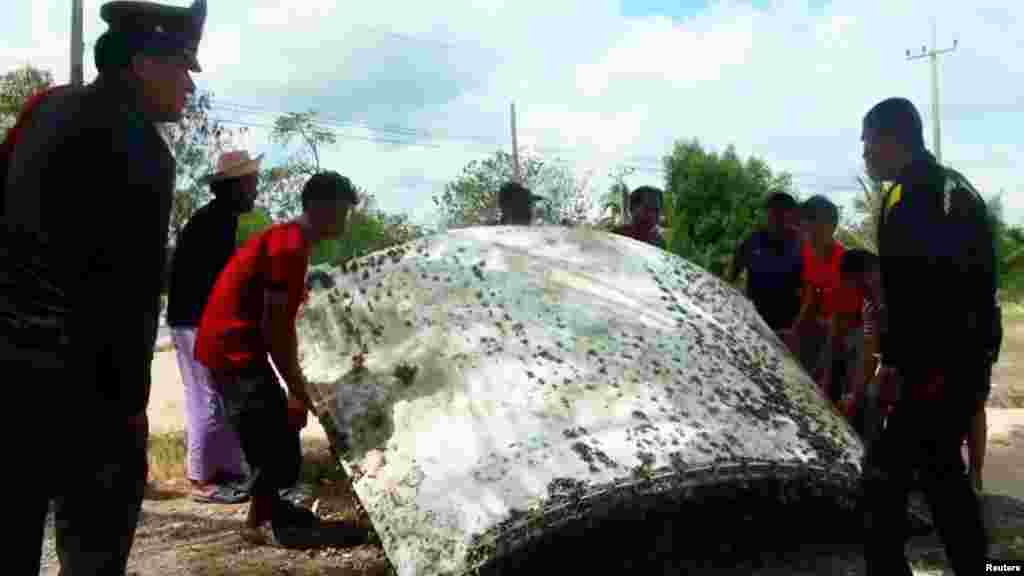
(826, 334)
(250, 315)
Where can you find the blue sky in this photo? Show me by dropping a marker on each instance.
(597, 83)
(679, 10)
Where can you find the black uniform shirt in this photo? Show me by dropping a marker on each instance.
(937, 254)
(83, 246)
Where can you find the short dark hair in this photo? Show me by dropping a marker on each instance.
(820, 209)
(857, 261)
(328, 187)
(780, 201)
(514, 193)
(646, 196)
(897, 118)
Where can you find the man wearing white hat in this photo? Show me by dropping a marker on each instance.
(216, 466)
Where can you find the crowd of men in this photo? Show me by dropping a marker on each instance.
(902, 341)
(82, 273)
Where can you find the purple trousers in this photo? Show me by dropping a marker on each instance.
(213, 447)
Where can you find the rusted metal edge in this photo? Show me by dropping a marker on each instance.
(665, 483)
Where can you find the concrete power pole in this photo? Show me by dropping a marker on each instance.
(933, 55)
(77, 46)
(515, 149)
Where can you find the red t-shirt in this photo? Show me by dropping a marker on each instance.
(230, 335)
(824, 276)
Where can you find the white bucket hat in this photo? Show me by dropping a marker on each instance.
(234, 164)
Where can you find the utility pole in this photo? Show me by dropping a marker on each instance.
(933, 55)
(515, 149)
(77, 46)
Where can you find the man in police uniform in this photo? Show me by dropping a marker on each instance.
(516, 204)
(83, 252)
(937, 257)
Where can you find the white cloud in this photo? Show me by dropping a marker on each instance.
(789, 83)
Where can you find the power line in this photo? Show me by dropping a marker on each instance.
(334, 133)
(395, 129)
(327, 119)
(431, 139)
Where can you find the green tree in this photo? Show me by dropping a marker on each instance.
(472, 198)
(1009, 250)
(860, 230)
(16, 87)
(251, 224)
(613, 202)
(281, 187)
(369, 229)
(716, 201)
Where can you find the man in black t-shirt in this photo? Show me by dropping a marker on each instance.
(216, 466)
(771, 256)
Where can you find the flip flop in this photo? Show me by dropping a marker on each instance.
(222, 494)
(299, 495)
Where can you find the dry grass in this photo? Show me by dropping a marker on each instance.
(168, 453)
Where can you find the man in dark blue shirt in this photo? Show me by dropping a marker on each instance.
(771, 256)
(204, 247)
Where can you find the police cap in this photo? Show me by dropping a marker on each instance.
(151, 29)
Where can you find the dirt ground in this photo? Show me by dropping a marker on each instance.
(177, 537)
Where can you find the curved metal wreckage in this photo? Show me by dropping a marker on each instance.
(490, 387)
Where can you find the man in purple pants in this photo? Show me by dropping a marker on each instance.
(216, 467)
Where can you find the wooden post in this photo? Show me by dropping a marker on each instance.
(515, 149)
(77, 47)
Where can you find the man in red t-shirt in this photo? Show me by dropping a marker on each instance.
(250, 315)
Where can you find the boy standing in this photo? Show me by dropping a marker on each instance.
(251, 313)
(827, 329)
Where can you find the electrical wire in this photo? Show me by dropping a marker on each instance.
(405, 136)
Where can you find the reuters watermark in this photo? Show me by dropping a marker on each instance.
(1004, 567)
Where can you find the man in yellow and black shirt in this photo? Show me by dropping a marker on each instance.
(935, 239)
